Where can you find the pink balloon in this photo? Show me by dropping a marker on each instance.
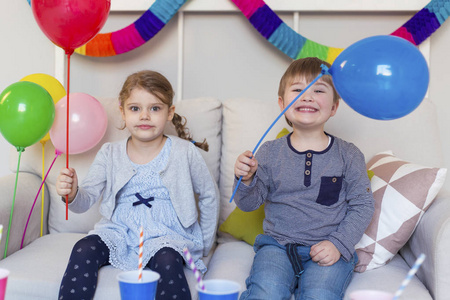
(87, 123)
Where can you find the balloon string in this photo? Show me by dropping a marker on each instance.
(324, 72)
(20, 150)
(42, 195)
(67, 127)
(40, 188)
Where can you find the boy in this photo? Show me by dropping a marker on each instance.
(317, 196)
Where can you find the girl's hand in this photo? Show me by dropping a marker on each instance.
(246, 166)
(325, 253)
(67, 183)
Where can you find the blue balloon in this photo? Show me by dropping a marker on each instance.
(381, 77)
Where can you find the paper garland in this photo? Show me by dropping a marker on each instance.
(422, 25)
(134, 35)
(269, 25)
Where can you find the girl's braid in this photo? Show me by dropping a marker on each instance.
(183, 132)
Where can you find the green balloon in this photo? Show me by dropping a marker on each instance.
(27, 112)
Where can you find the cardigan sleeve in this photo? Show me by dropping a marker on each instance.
(208, 198)
(94, 183)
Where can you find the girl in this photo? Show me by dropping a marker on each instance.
(148, 179)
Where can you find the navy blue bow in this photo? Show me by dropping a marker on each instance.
(142, 200)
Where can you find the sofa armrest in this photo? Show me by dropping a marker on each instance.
(432, 237)
(27, 187)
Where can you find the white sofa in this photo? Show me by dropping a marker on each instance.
(230, 128)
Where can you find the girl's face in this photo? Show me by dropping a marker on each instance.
(313, 108)
(145, 115)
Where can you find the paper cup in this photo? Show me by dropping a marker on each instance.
(219, 289)
(131, 289)
(3, 279)
(370, 295)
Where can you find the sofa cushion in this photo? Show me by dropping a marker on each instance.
(40, 267)
(244, 122)
(414, 137)
(403, 191)
(204, 119)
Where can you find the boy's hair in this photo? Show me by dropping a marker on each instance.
(158, 85)
(308, 68)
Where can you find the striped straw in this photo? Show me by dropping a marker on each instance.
(409, 276)
(194, 268)
(141, 246)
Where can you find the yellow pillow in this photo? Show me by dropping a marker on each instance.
(244, 226)
(282, 133)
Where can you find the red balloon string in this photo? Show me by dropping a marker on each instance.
(67, 125)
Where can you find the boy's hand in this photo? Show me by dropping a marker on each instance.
(67, 183)
(246, 166)
(324, 253)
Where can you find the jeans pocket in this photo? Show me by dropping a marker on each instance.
(330, 188)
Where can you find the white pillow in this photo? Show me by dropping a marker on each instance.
(403, 192)
(244, 123)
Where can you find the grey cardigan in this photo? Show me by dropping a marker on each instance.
(185, 176)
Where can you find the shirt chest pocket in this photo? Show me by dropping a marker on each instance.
(330, 188)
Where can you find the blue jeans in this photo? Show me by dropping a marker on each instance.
(272, 275)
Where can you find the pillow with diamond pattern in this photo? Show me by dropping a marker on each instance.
(403, 191)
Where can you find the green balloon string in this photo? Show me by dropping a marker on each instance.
(20, 150)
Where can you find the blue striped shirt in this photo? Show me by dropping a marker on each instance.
(311, 196)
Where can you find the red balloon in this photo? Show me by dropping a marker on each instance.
(70, 24)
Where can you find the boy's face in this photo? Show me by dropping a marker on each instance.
(313, 108)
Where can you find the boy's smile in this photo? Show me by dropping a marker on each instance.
(305, 108)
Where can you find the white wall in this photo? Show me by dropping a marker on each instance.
(224, 56)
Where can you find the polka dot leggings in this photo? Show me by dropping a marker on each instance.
(91, 253)
(172, 284)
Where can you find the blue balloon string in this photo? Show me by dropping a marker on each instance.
(324, 72)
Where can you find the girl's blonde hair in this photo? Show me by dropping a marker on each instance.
(158, 85)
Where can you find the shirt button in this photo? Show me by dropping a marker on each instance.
(334, 179)
(308, 163)
(309, 155)
(307, 172)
